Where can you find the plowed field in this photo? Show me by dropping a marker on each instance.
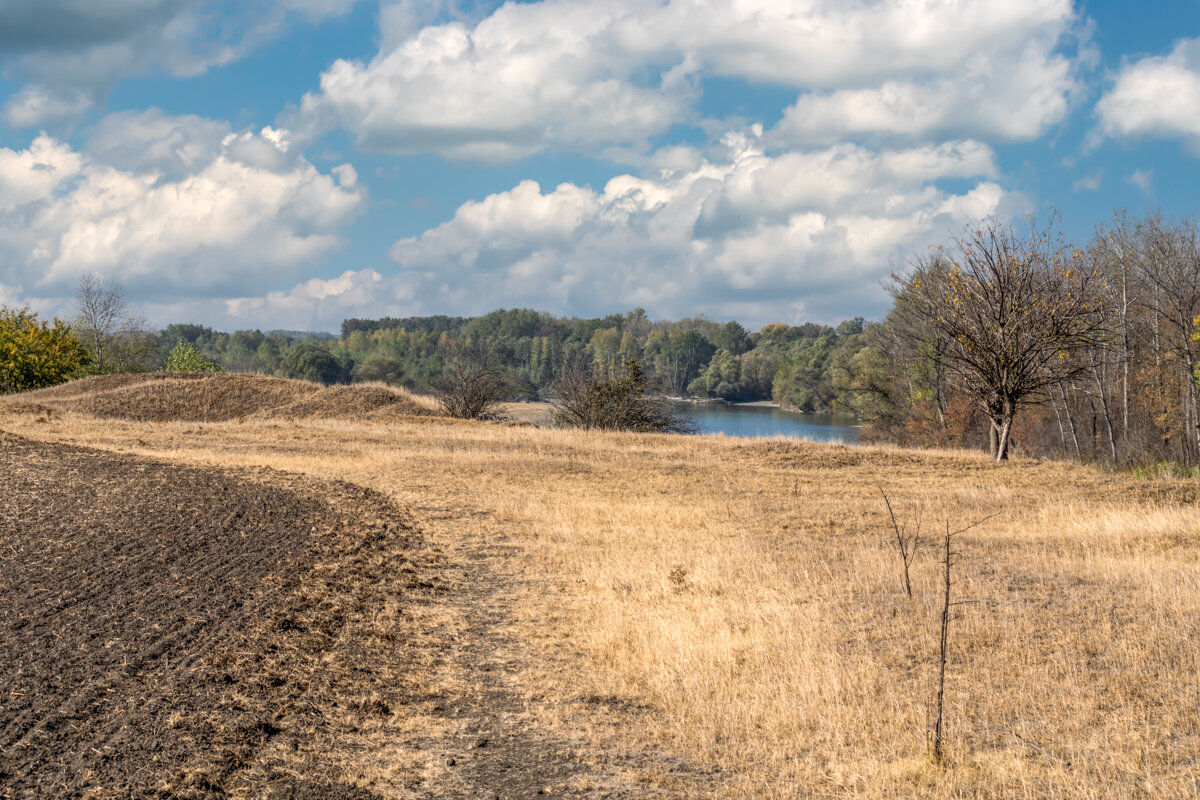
(176, 631)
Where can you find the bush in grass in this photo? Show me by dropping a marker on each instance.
(187, 358)
(618, 404)
(472, 385)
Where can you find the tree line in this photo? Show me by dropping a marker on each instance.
(533, 351)
(693, 357)
(1006, 337)
(1011, 337)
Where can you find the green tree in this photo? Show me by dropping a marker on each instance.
(311, 362)
(722, 378)
(187, 358)
(379, 367)
(679, 356)
(732, 337)
(35, 354)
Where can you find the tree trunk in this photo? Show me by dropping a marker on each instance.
(939, 374)
(1002, 421)
(1062, 432)
(1071, 421)
(1125, 357)
(1193, 412)
(1002, 444)
(1108, 426)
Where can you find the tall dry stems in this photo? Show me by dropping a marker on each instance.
(948, 555)
(907, 543)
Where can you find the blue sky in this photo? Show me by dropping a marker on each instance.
(290, 163)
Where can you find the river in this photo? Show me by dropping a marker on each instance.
(760, 420)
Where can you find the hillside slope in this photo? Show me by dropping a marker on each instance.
(192, 397)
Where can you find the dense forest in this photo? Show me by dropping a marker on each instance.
(794, 365)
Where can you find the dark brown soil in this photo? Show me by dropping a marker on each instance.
(180, 632)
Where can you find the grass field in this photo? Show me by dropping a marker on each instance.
(710, 617)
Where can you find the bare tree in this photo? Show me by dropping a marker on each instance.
(117, 339)
(617, 404)
(1118, 243)
(472, 385)
(949, 555)
(1014, 311)
(1171, 270)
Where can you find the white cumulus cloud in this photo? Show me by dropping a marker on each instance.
(525, 76)
(1156, 96)
(194, 209)
(315, 304)
(1012, 95)
(575, 74)
(746, 234)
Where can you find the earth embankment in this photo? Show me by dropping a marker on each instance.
(191, 397)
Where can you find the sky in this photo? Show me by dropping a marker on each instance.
(291, 163)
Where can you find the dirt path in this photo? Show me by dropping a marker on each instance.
(494, 746)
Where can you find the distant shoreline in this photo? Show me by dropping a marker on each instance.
(541, 412)
(716, 401)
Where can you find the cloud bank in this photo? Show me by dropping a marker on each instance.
(171, 206)
(579, 75)
(740, 234)
(68, 54)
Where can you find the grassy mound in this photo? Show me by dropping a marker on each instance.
(190, 397)
(353, 402)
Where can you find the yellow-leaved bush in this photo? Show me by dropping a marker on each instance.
(35, 354)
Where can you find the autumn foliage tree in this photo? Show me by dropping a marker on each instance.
(34, 354)
(1013, 314)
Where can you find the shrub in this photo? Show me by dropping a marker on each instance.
(35, 354)
(472, 385)
(618, 404)
(311, 362)
(383, 368)
(187, 358)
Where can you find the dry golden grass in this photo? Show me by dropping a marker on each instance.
(714, 617)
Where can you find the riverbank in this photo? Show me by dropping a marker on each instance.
(537, 412)
(757, 419)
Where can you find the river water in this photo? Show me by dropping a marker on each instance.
(754, 421)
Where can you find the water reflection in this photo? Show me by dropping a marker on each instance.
(754, 421)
